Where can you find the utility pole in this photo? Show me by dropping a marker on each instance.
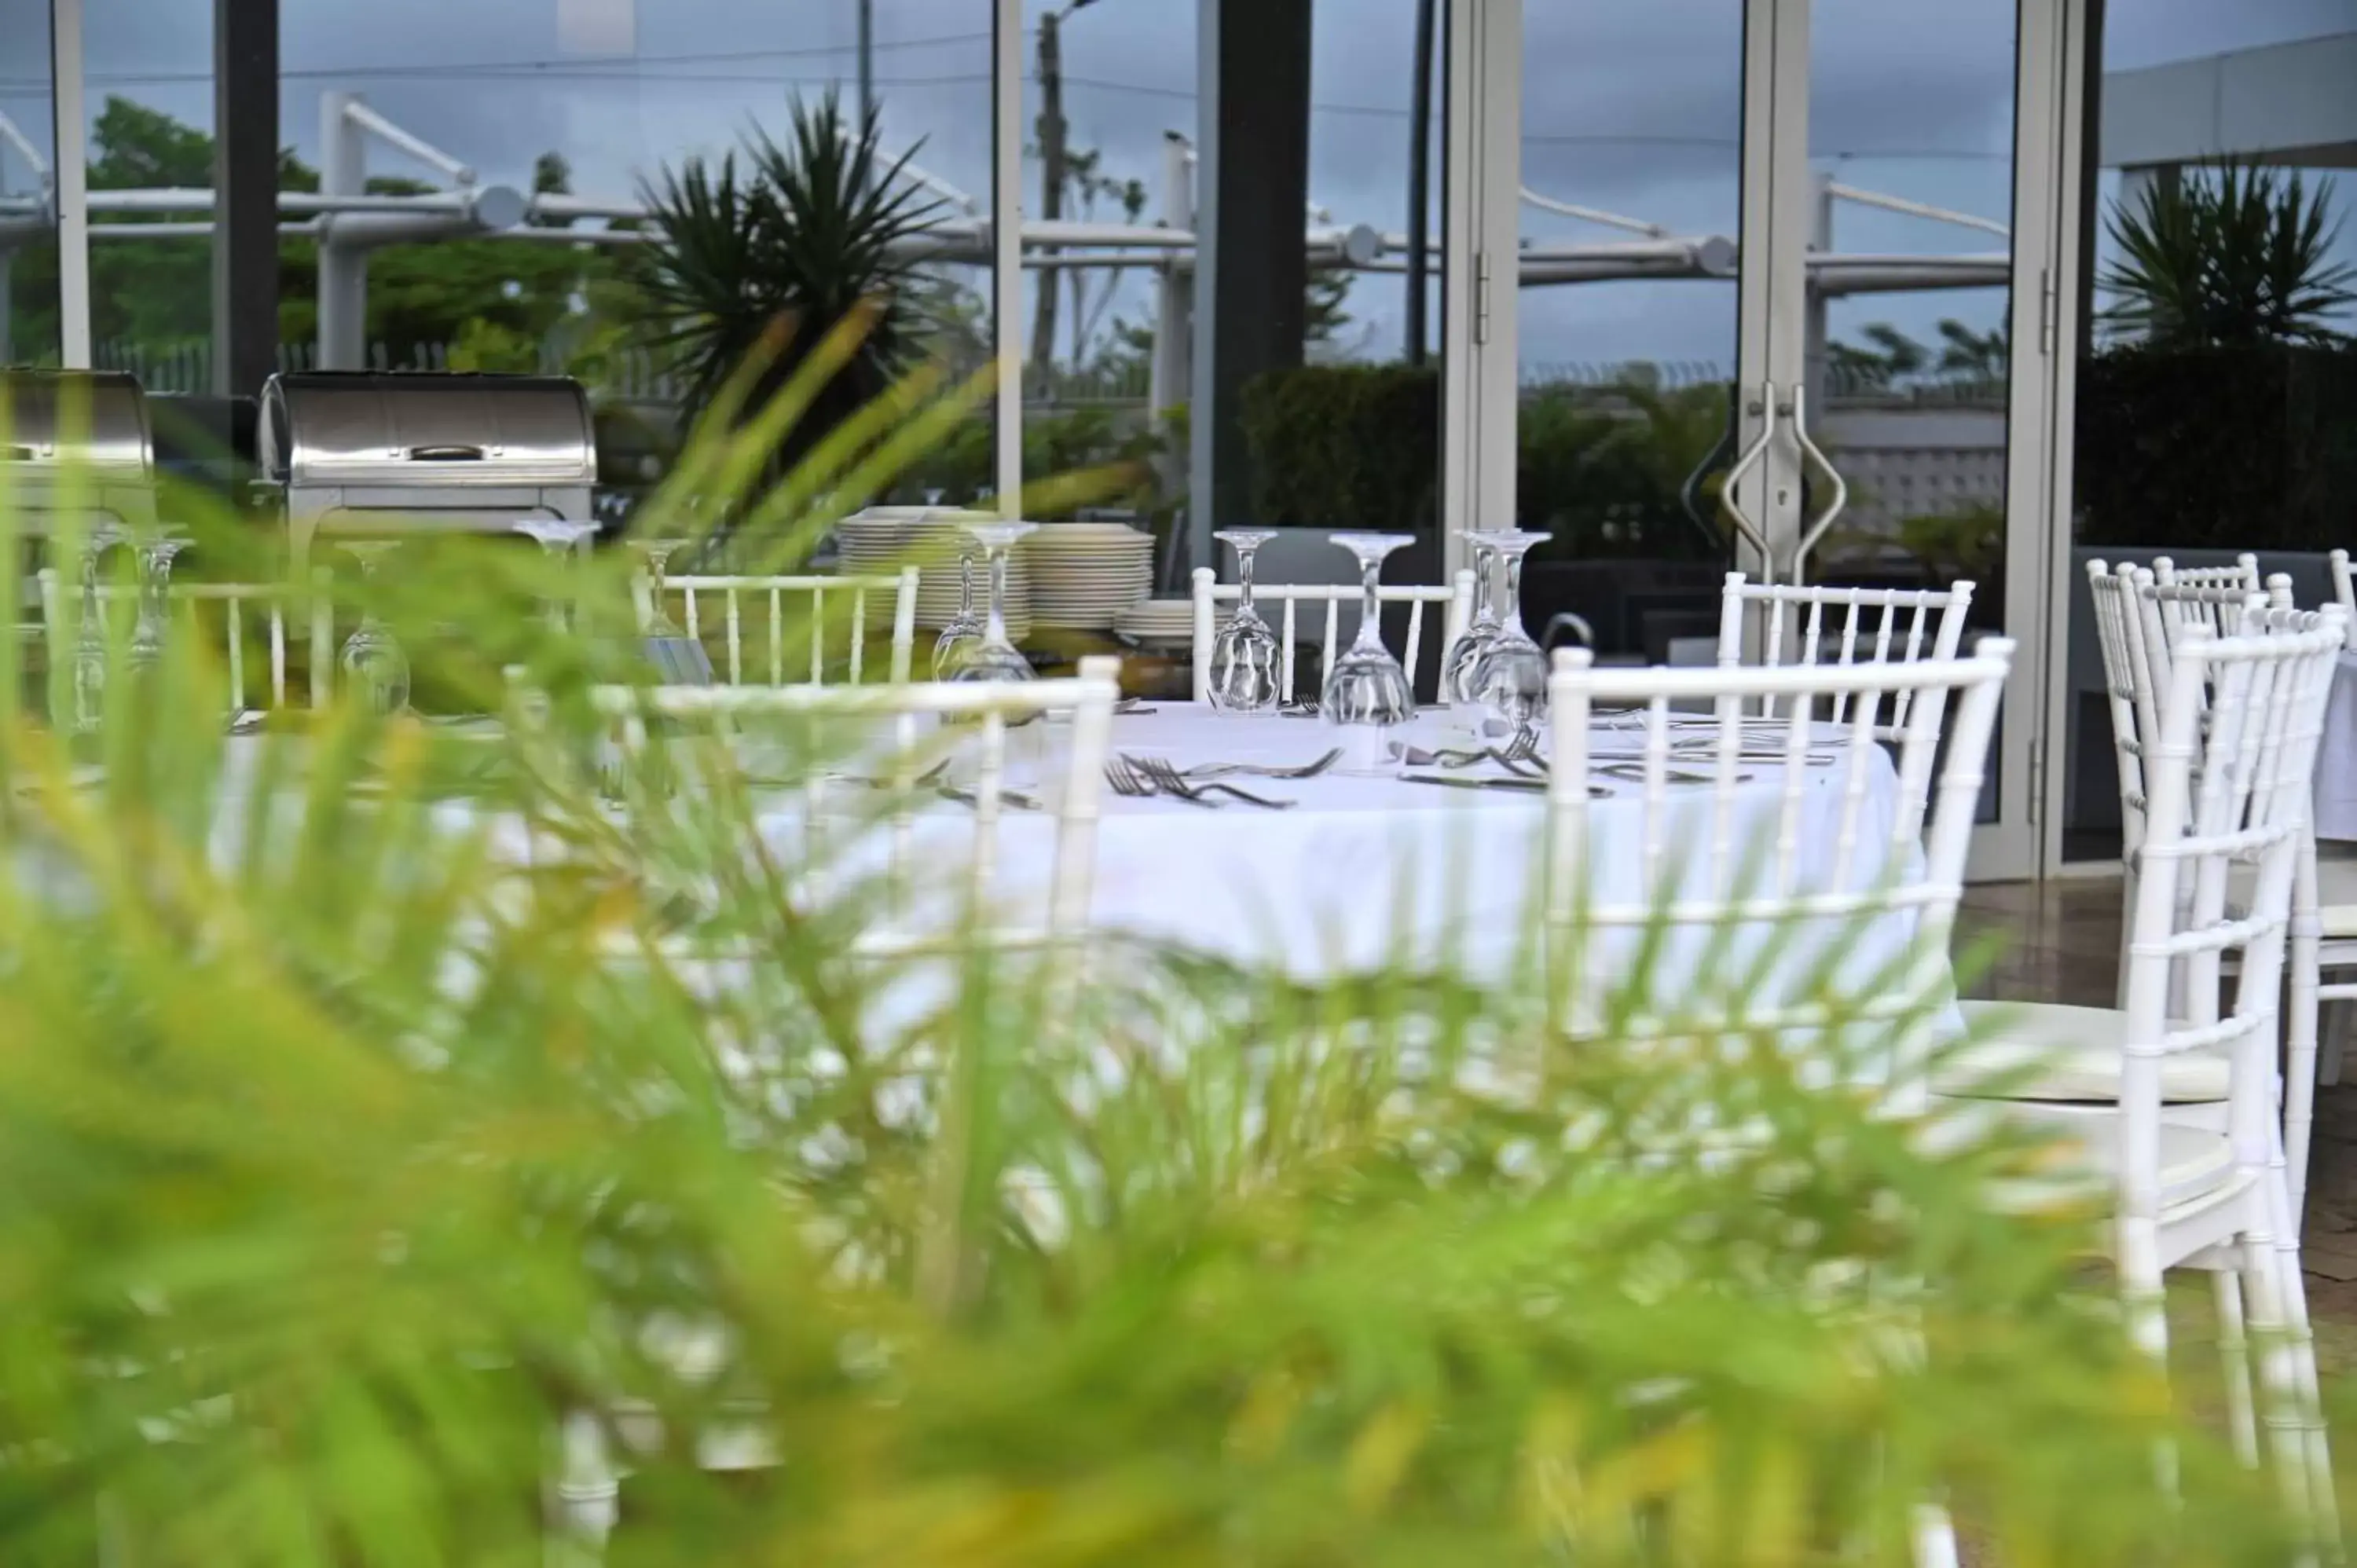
(1419, 181)
(1051, 180)
(867, 62)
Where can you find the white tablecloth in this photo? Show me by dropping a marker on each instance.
(1365, 872)
(1362, 871)
(2336, 759)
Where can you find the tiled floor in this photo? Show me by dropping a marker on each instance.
(2059, 942)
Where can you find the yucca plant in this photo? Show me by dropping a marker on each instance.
(347, 1154)
(803, 233)
(2229, 255)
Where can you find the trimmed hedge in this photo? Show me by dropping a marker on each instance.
(1353, 446)
(2250, 447)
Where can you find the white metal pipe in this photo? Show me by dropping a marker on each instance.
(16, 138)
(359, 114)
(1916, 209)
(1592, 214)
(963, 200)
(73, 183)
(1006, 245)
(199, 199)
(550, 204)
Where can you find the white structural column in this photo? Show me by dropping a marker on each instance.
(1779, 212)
(343, 266)
(1007, 246)
(1481, 271)
(73, 163)
(2056, 81)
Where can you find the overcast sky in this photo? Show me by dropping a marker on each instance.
(1629, 105)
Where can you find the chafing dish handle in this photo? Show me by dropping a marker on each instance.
(451, 454)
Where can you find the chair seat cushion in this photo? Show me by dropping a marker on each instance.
(2194, 1162)
(2045, 1051)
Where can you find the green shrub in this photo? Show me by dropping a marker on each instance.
(1354, 446)
(2251, 447)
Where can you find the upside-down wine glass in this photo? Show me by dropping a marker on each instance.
(1367, 693)
(994, 657)
(557, 538)
(90, 646)
(372, 659)
(1509, 682)
(1245, 656)
(1457, 669)
(657, 554)
(156, 553)
(964, 632)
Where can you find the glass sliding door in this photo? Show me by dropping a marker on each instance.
(1629, 206)
(1773, 239)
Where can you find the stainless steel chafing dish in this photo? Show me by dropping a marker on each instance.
(388, 455)
(77, 438)
(80, 437)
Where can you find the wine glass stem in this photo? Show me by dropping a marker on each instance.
(1244, 578)
(998, 592)
(965, 588)
(1371, 608)
(1509, 613)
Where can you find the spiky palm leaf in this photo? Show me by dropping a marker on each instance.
(2231, 254)
(802, 233)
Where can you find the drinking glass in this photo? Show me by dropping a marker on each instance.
(1367, 693)
(90, 646)
(964, 632)
(1509, 682)
(372, 659)
(557, 538)
(156, 553)
(659, 622)
(1457, 669)
(994, 657)
(1245, 656)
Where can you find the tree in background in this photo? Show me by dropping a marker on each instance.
(153, 296)
(799, 235)
(2232, 254)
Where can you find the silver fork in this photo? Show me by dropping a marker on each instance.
(1173, 782)
(1258, 770)
(1125, 778)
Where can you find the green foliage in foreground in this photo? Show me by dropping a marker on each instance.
(341, 1157)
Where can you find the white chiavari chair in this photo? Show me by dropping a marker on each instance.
(769, 598)
(2219, 609)
(252, 629)
(1719, 847)
(2244, 574)
(1806, 626)
(2344, 589)
(2174, 1095)
(1280, 604)
(1886, 873)
(1051, 921)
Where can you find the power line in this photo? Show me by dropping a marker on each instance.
(593, 69)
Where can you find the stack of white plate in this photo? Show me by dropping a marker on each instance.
(882, 540)
(1083, 575)
(1162, 623)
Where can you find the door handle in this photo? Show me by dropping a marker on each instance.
(1753, 534)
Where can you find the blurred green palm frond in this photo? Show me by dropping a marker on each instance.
(378, 1093)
